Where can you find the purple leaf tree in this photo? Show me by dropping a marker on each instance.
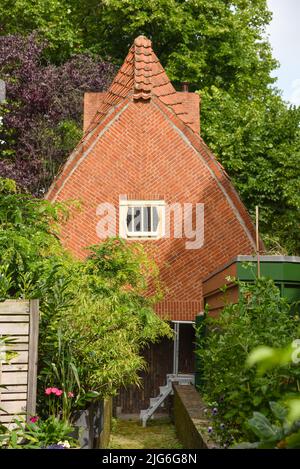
(41, 119)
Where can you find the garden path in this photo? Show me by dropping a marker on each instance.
(129, 434)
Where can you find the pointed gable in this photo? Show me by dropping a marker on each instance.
(142, 76)
(143, 141)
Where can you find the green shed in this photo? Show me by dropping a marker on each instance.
(284, 270)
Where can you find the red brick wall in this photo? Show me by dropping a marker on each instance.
(91, 104)
(191, 103)
(143, 154)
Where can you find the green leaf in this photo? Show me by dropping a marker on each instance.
(257, 400)
(267, 358)
(293, 410)
(293, 441)
(246, 445)
(279, 411)
(262, 428)
(259, 354)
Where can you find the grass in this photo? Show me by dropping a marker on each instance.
(129, 434)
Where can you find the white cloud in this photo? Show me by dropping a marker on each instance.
(295, 97)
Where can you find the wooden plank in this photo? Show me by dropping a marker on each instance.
(216, 281)
(13, 318)
(33, 357)
(12, 329)
(10, 426)
(19, 347)
(14, 407)
(14, 307)
(12, 377)
(132, 398)
(15, 388)
(21, 357)
(8, 418)
(19, 339)
(15, 367)
(10, 396)
(20, 320)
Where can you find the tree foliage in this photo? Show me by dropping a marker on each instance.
(50, 17)
(222, 49)
(99, 311)
(203, 42)
(258, 142)
(42, 118)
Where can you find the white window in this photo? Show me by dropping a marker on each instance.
(142, 219)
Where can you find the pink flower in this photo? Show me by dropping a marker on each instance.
(56, 391)
(70, 394)
(33, 419)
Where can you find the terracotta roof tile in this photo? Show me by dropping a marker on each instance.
(142, 41)
(142, 76)
(169, 99)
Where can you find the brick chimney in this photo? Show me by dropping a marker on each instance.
(191, 102)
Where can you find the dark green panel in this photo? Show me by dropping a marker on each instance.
(291, 292)
(286, 276)
(278, 271)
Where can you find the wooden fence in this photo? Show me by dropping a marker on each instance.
(19, 319)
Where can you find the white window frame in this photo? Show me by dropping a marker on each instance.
(160, 205)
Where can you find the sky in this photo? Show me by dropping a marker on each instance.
(284, 35)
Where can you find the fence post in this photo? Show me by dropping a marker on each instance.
(33, 357)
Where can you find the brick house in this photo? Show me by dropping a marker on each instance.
(142, 153)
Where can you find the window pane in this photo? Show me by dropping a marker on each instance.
(155, 218)
(147, 218)
(137, 218)
(129, 220)
(142, 219)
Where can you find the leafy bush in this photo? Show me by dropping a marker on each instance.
(28, 240)
(107, 320)
(96, 315)
(37, 434)
(6, 355)
(282, 434)
(283, 429)
(261, 316)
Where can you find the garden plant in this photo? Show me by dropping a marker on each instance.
(96, 315)
(232, 390)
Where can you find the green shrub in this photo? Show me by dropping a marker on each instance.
(96, 315)
(104, 312)
(29, 242)
(37, 434)
(282, 430)
(261, 316)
